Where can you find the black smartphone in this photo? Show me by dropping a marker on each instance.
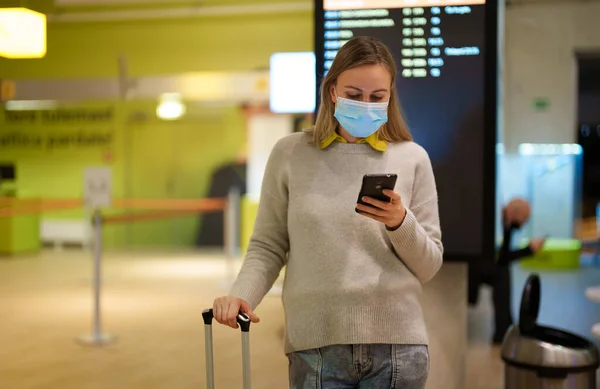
(373, 186)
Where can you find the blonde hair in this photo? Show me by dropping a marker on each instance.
(360, 51)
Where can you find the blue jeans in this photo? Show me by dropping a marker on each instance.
(362, 366)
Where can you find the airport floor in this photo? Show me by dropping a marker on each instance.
(152, 303)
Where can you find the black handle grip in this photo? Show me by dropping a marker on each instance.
(242, 319)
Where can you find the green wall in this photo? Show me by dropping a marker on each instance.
(176, 160)
(149, 158)
(171, 46)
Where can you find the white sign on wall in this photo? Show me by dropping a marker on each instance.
(293, 82)
(97, 187)
(263, 133)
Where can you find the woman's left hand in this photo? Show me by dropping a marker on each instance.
(391, 213)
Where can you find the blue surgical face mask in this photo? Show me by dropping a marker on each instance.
(360, 119)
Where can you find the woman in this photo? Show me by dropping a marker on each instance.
(497, 274)
(353, 279)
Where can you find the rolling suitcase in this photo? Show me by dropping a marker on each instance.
(244, 323)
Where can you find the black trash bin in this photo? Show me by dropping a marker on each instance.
(536, 356)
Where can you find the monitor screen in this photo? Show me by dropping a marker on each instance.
(7, 172)
(446, 54)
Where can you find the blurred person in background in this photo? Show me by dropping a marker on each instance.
(223, 180)
(497, 273)
(354, 272)
(231, 175)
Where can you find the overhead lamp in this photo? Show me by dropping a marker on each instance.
(170, 107)
(22, 33)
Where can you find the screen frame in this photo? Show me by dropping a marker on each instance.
(491, 115)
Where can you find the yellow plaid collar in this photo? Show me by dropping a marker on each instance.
(372, 140)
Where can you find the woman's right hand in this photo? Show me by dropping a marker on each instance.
(226, 309)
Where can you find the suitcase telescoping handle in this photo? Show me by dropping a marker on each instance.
(244, 322)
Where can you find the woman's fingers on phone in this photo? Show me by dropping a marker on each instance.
(377, 203)
(370, 210)
(374, 217)
(392, 194)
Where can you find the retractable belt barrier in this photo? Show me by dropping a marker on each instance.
(145, 210)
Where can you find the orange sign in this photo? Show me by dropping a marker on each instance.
(337, 5)
(7, 90)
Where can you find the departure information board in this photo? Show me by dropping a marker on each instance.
(446, 87)
(427, 36)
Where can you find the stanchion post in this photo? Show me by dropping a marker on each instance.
(89, 227)
(231, 239)
(97, 337)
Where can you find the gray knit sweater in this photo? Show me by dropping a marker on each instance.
(348, 279)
